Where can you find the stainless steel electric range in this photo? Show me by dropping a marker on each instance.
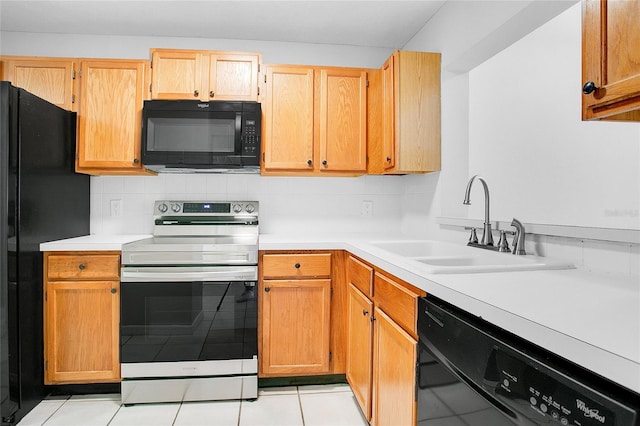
(188, 325)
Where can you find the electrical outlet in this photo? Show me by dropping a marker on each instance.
(116, 208)
(367, 209)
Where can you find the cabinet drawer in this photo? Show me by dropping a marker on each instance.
(360, 275)
(296, 265)
(396, 301)
(83, 266)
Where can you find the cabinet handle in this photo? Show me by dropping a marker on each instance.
(297, 266)
(365, 312)
(113, 291)
(81, 266)
(309, 162)
(196, 93)
(588, 87)
(324, 163)
(211, 94)
(267, 289)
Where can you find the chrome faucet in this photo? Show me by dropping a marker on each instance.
(487, 237)
(518, 240)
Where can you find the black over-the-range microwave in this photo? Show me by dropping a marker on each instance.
(201, 136)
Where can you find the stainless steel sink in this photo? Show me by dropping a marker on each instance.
(436, 257)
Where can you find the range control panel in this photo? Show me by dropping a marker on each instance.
(202, 208)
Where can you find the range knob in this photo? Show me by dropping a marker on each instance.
(237, 208)
(163, 208)
(175, 208)
(250, 208)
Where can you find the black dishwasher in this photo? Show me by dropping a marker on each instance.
(473, 373)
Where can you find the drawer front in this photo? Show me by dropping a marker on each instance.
(296, 265)
(397, 302)
(360, 275)
(83, 266)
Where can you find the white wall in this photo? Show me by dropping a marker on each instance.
(515, 119)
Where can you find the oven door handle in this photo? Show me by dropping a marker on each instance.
(186, 274)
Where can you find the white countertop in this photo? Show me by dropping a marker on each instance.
(592, 320)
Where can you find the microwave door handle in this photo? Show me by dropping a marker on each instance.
(238, 133)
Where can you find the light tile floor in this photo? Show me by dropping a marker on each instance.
(313, 405)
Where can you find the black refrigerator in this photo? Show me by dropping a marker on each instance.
(41, 199)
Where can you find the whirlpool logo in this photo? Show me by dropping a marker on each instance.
(591, 413)
(203, 105)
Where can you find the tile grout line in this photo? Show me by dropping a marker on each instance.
(56, 410)
(300, 404)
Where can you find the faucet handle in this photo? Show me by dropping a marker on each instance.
(473, 237)
(503, 245)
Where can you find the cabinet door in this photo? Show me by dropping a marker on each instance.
(295, 327)
(359, 348)
(233, 77)
(110, 117)
(611, 59)
(179, 74)
(388, 114)
(343, 120)
(288, 128)
(50, 79)
(394, 375)
(81, 332)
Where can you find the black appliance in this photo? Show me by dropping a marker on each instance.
(201, 136)
(471, 372)
(41, 199)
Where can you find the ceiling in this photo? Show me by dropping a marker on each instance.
(388, 24)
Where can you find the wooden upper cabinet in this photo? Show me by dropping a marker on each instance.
(233, 77)
(51, 79)
(288, 125)
(316, 120)
(611, 60)
(406, 139)
(204, 75)
(110, 116)
(343, 120)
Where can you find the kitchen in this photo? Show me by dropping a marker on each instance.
(552, 172)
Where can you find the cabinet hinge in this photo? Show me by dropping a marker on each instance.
(330, 356)
(151, 64)
(265, 78)
(73, 74)
(258, 67)
(263, 157)
(258, 90)
(150, 87)
(366, 83)
(73, 98)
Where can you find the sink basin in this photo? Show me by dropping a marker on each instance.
(436, 257)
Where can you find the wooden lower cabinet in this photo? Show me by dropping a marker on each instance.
(295, 315)
(302, 297)
(382, 344)
(394, 373)
(81, 317)
(359, 355)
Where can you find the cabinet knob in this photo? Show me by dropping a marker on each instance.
(211, 94)
(196, 93)
(388, 159)
(297, 266)
(324, 163)
(589, 87)
(267, 289)
(309, 162)
(81, 266)
(365, 312)
(113, 291)
(136, 161)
